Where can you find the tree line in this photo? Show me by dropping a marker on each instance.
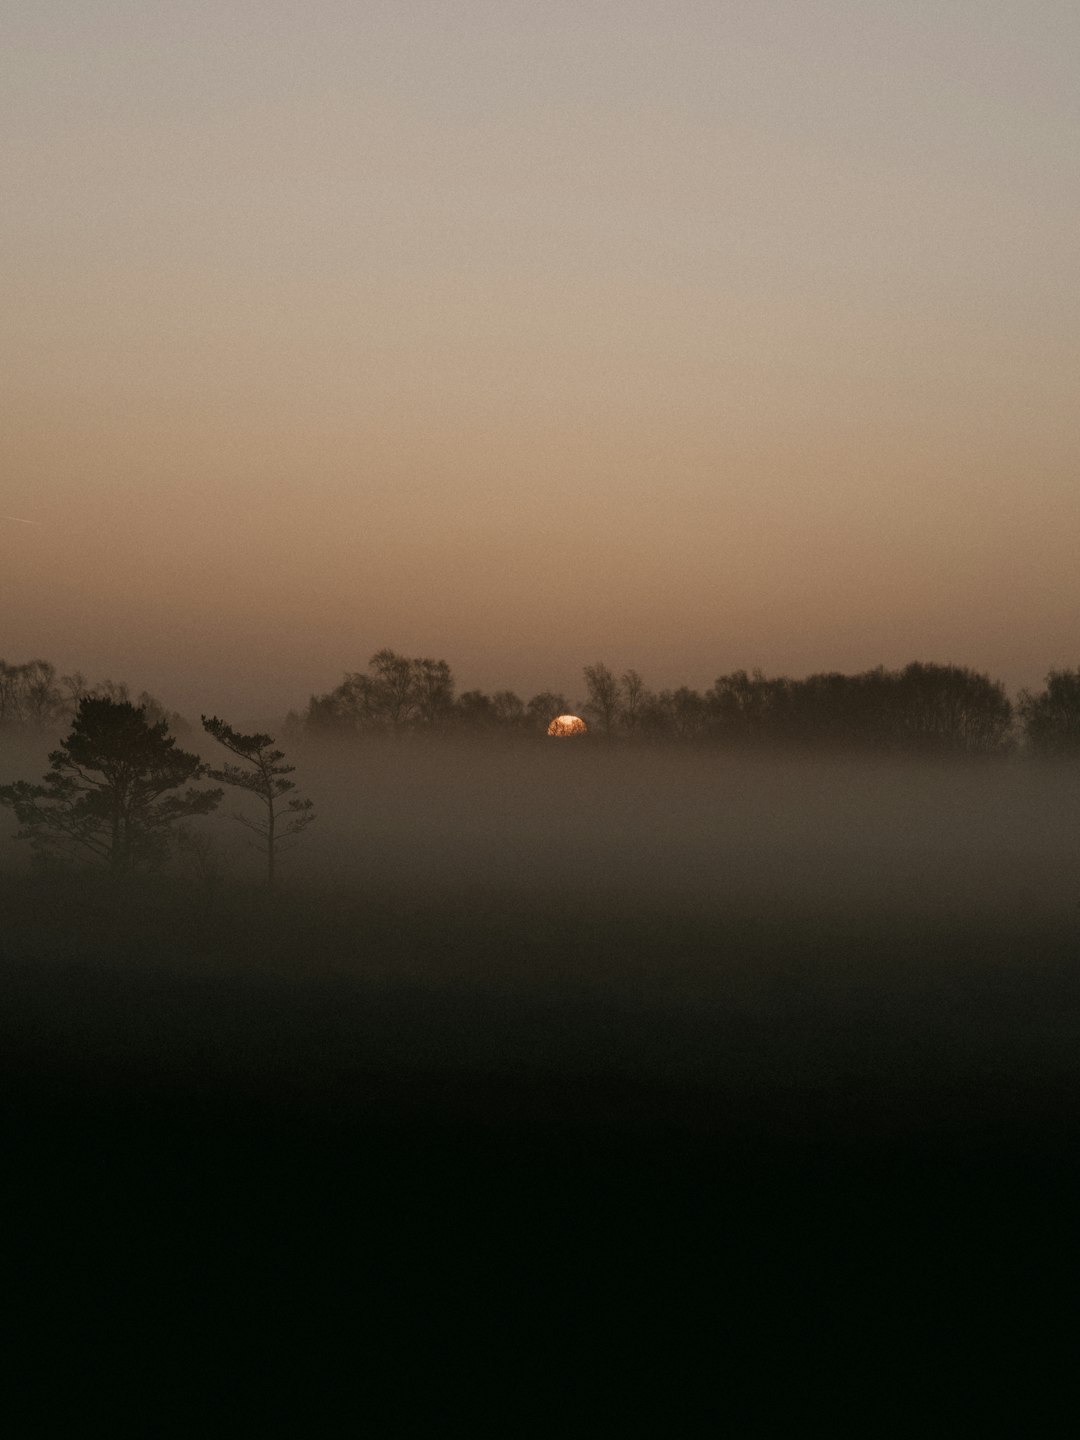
(33, 696)
(922, 708)
(118, 787)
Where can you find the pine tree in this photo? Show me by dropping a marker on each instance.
(262, 775)
(106, 793)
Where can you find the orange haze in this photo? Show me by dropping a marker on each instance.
(690, 337)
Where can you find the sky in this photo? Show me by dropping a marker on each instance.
(691, 336)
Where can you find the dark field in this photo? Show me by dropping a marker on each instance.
(564, 1091)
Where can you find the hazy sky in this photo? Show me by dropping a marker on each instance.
(691, 335)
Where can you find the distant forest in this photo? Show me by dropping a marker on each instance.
(923, 708)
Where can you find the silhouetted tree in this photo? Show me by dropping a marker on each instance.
(332, 714)
(684, 712)
(509, 709)
(673, 715)
(30, 695)
(432, 691)
(393, 691)
(262, 775)
(476, 711)
(602, 704)
(107, 790)
(632, 695)
(394, 695)
(949, 708)
(119, 691)
(926, 708)
(542, 709)
(1051, 718)
(744, 707)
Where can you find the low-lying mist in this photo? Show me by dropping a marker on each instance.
(633, 829)
(872, 943)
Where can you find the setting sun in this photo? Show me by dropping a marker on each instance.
(568, 725)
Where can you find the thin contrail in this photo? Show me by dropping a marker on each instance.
(19, 520)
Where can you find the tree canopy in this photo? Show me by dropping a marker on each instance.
(108, 793)
(263, 774)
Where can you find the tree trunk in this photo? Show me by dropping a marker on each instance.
(116, 851)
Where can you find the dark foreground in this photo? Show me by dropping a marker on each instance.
(396, 1168)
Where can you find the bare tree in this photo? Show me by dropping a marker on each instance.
(262, 775)
(603, 701)
(30, 696)
(432, 690)
(394, 695)
(508, 708)
(396, 687)
(543, 708)
(1051, 716)
(632, 695)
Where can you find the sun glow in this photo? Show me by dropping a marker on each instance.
(567, 725)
